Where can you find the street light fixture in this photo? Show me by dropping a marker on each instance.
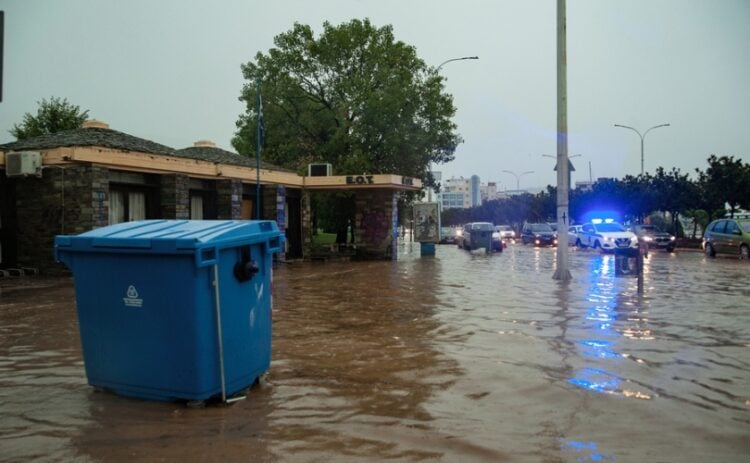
(642, 136)
(518, 177)
(454, 59)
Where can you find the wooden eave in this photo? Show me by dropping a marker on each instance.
(162, 164)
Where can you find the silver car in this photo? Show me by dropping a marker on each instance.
(728, 236)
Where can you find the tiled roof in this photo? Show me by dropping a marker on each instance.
(108, 138)
(105, 138)
(225, 157)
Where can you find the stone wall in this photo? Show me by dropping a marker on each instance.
(375, 224)
(65, 200)
(174, 195)
(229, 199)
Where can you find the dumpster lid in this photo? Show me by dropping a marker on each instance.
(172, 234)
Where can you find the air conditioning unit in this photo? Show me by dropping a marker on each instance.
(319, 170)
(23, 163)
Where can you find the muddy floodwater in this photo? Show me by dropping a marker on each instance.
(456, 358)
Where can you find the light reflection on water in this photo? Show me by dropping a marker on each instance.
(598, 321)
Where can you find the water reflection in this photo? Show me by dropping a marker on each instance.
(41, 372)
(602, 339)
(452, 358)
(345, 364)
(587, 451)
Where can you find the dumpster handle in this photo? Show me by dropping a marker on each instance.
(218, 332)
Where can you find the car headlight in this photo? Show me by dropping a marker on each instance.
(608, 239)
(648, 239)
(672, 238)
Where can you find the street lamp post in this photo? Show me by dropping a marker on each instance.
(642, 136)
(437, 69)
(518, 177)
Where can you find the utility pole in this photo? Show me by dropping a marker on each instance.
(562, 272)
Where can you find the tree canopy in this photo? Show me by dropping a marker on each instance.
(726, 181)
(353, 96)
(53, 115)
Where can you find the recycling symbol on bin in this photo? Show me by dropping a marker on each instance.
(132, 299)
(132, 292)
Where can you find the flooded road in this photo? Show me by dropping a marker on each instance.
(453, 358)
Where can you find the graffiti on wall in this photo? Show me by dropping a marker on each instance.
(375, 226)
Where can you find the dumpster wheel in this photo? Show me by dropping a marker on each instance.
(196, 404)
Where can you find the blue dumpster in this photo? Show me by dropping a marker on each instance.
(174, 309)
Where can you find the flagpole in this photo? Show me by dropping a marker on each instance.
(258, 143)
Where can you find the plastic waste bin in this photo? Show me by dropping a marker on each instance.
(174, 309)
(480, 236)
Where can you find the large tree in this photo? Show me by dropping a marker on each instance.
(727, 180)
(675, 193)
(53, 115)
(353, 96)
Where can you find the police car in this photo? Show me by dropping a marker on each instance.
(607, 235)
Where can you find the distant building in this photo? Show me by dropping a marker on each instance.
(489, 191)
(456, 193)
(476, 196)
(589, 185)
(584, 185)
(453, 200)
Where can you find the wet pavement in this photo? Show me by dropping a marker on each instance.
(459, 357)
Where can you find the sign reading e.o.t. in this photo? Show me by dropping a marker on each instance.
(359, 180)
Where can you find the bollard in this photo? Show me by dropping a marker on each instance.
(626, 262)
(642, 252)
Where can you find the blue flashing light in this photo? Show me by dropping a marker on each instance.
(605, 215)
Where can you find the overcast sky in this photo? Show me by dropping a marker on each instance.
(169, 71)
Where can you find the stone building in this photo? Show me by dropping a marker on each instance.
(73, 181)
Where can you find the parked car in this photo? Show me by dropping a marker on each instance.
(655, 238)
(506, 232)
(606, 235)
(447, 235)
(728, 236)
(573, 232)
(475, 235)
(538, 234)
